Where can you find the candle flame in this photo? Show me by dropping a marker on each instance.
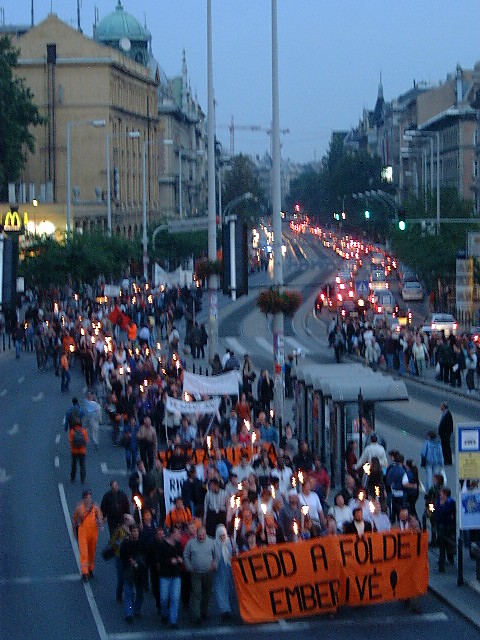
(294, 482)
(247, 424)
(305, 509)
(209, 442)
(237, 502)
(272, 488)
(371, 506)
(263, 507)
(295, 527)
(254, 437)
(300, 477)
(366, 468)
(137, 501)
(377, 491)
(237, 523)
(232, 502)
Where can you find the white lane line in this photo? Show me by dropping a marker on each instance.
(13, 431)
(296, 345)
(3, 392)
(263, 343)
(68, 577)
(102, 632)
(38, 397)
(114, 472)
(21, 379)
(236, 346)
(3, 476)
(282, 626)
(57, 462)
(57, 438)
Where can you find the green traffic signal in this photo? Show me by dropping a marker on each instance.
(401, 225)
(401, 219)
(367, 214)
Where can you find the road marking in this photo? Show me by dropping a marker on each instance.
(3, 392)
(236, 346)
(113, 472)
(57, 438)
(57, 462)
(263, 343)
(21, 379)
(296, 345)
(38, 397)
(14, 430)
(282, 626)
(88, 589)
(3, 476)
(68, 577)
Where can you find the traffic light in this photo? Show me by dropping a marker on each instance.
(401, 219)
(367, 214)
(297, 208)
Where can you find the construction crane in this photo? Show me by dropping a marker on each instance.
(245, 127)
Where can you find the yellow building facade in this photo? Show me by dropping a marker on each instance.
(105, 100)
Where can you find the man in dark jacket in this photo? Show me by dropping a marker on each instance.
(445, 430)
(114, 505)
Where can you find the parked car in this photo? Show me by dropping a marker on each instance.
(412, 290)
(440, 322)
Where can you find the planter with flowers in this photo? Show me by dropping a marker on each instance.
(271, 301)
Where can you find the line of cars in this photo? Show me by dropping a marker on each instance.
(342, 294)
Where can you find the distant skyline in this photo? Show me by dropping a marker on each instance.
(331, 55)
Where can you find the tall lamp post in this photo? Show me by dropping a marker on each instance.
(70, 125)
(127, 134)
(212, 221)
(278, 321)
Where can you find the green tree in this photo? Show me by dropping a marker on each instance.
(242, 178)
(17, 113)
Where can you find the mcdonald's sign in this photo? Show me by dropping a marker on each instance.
(13, 222)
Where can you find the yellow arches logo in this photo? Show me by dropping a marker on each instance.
(13, 222)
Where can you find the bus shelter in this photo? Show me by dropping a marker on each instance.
(332, 401)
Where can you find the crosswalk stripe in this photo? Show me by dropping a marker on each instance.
(263, 343)
(236, 346)
(296, 345)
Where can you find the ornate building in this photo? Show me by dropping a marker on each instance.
(115, 125)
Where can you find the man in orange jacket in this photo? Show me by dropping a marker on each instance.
(78, 438)
(87, 520)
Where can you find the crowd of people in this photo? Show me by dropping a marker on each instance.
(455, 358)
(273, 489)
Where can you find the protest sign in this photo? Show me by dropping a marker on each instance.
(319, 575)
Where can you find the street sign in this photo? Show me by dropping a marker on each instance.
(468, 472)
(361, 287)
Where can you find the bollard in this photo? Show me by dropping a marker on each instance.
(193, 367)
(460, 580)
(200, 369)
(206, 372)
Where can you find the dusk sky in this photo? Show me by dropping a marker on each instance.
(331, 54)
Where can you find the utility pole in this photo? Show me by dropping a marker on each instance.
(278, 320)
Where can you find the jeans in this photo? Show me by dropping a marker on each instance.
(201, 591)
(120, 576)
(80, 457)
(65, 380)
(430, 470)
(133, 598)
(170, 598)
(18, 348)
(131, 458)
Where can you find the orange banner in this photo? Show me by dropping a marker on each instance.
(232, 454)
(319, 575)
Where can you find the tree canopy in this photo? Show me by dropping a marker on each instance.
(240, 178)
(17, 113)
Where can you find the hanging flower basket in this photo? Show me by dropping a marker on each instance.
(205, 268)
(272, 301)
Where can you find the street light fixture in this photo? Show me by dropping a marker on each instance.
(92, 123)
(409, 135)
(127, 134)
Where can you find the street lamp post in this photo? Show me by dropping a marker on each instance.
(212, 221)
(128, 134)
(144, 218)
(92, 123)
(411, 134)
(278, 320)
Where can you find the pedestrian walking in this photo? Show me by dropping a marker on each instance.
(445, 430)
(223, 587)
(114, 506)
(93, 416)
(201, 561)
(119, 535)
(87, 520)
(78, 439)
(65, 372)
(170, 569)
(432, 457)
(132, 555)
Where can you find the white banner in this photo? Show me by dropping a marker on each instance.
(174, 405)
(225, 384)
(172, 486)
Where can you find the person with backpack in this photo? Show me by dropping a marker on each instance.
(78, 439)
(73, 414)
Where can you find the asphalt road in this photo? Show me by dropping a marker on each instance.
(41, 596)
